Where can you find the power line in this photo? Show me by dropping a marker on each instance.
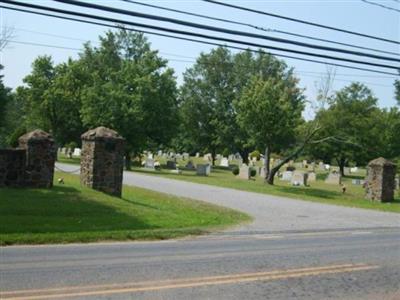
(196, 40)
(258, 27)
(176, 31)
(381, 5)
(303, 21)
(193, 60)
(219, 29)
(162, 52)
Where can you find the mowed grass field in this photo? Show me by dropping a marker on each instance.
(318, 191)
(71, 213)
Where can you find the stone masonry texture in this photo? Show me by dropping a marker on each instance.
(102, 160)
(380, 180)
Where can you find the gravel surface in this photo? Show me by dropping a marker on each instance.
(270, 213)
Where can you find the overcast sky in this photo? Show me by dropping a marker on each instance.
(354, 15)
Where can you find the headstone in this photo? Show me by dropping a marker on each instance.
(396, 183)
(240, 162)
(231, 157)
(304, 163)
(291, 162)
(190, 165)
(224, 162)
(244, 172)
(334, 178)
(149, 163)
(321, 166)
(197, 155)
(312, 177)
(354, 170)
(171, 164)
(380, 180)
(178, 156)
(207, 157)
(262, 172)
(77, 152)
(177, 171)
(327, 167)
(287, 176)
(102, 160)
(254, 159)
(159, 153)
(203, 169)
(218, 156)
(299, 178)
(357, 181)
(185, 156)
(150, 155)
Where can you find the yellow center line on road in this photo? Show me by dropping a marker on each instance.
(80, 291)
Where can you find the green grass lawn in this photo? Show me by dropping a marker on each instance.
(69, 213)
(318, 191)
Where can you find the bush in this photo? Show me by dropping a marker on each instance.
(255, 154)
(253, 172)
(235, 170)
(290, 168)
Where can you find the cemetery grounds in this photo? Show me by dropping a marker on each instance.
(317, 191)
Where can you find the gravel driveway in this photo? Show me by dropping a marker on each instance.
(270, 213)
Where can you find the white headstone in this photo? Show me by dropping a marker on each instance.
(334, 178)
(244, 172)
(353, 170)
(327, 167)
(149, 163)
(224, 162)
(77, 152)
(312, 177)
(299, 178)
(203, 169)
(287, 176)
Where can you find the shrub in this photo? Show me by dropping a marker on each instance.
(253, 172)
(255, 154)
(235, 170)
(290, 168)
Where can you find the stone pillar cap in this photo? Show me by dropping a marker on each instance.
(37, 135)
(101, 133)
(380, 161)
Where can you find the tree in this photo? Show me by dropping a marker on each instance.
(351, 124)
(130, 89)
(206, 97)
(51, 99)
(270, 112)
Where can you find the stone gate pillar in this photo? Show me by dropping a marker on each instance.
(40, 158)
(380, 180)
(102, 160)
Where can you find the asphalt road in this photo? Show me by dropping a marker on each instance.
(292, 250)
(317, 265)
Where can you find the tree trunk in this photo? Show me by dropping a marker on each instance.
(342, 163)
(293, 155)
(267, 158)
(245, 156)
(128, 162)
(213, 155)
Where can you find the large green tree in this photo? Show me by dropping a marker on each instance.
(130, 89)
(269, 111)
(206, 97)
(353, 125)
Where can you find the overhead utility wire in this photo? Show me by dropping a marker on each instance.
(381, 5)
(302, 21)
(219, 29)
(170, 30)
(257, 27)
(193, 60)
(195, 40)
